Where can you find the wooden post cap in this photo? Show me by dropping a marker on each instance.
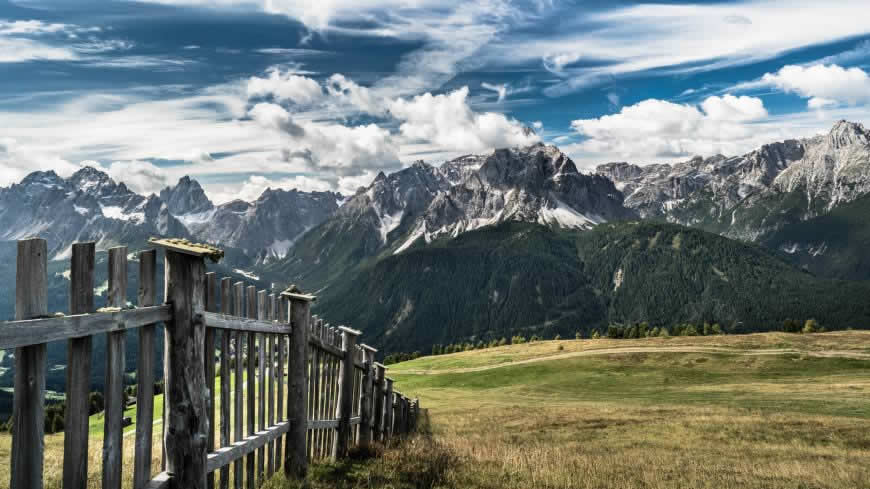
(188, 248)
(294, 293)
(350, 331)
(368, 348)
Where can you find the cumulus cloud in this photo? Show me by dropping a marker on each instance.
(731, 108)
(285, 87)
(255, 185)
(348, 92)
(661, 129)
(447, 121)
(141, 177)
(18, 160)
(824, 85)
(273, 116)
(344, 150)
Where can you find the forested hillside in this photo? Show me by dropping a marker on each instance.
(520, 278)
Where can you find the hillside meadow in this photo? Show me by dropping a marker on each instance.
(754, 411)
(772, 410)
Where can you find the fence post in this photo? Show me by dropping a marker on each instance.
(388, 410)
(78, 370)
(379, 392)
(296, 459)
(366, 398)
(31, 301)
(344, 405)
(186, 391)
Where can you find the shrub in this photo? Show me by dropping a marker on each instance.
(595, 335)
(517, 340)
(96, 404)
(502, 341)
(557, 337)
(811, 326)
(578, 335)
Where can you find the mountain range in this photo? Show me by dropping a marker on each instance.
(532, 221)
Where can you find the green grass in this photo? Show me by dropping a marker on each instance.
(723, 413)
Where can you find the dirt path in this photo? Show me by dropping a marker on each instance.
(654, 349)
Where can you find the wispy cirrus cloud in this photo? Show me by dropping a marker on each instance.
(598, 47)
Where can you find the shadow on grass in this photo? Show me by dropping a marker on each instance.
(413, 462)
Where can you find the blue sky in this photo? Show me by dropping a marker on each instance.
(321, 95)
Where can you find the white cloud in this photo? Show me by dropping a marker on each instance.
(336, 148)
(285, 87)
(141, 177)
(501, 90)
(676, 38)
(731, 108)
(32, 40)
(823, 84)
(18, 160)
(251, 189)
(348, 92)
(654, 129)
(449, 122)
(275, 117)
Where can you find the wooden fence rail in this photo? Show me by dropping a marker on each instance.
(335, 395)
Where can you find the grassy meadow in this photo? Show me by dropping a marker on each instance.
(773, 410)
(757, 411)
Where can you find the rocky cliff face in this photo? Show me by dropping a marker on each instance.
(88, 206)
(750, 196)
(422, 203)
(265, 228)
(186, 197)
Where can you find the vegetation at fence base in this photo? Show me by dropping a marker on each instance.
(761, 411)
(416, 462)
(518, 279)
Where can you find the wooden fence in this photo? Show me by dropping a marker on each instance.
(336, 395)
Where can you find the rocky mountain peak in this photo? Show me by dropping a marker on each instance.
(43, 178)
(186, 197)
(845, 133)
(91, 180)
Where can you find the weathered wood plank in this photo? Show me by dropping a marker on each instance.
(78, 371)
(296, 463)
(186, 390)
(248, 445)
(326, 347)
(226, 321)
(323, 424)
(226, 308)
(160, 481)
(270, 385)
(20, 333)
(145, 377)
(379, 393)
(31, 299)
(113, 431)
(366, 395)
(261, 385)
(344, 401)
(388, 410)
(279, 408)
(251, 459)
(209, 356)
(238, 421)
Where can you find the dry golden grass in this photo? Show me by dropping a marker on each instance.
(536, 416)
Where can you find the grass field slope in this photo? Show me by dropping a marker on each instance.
(769, 410)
